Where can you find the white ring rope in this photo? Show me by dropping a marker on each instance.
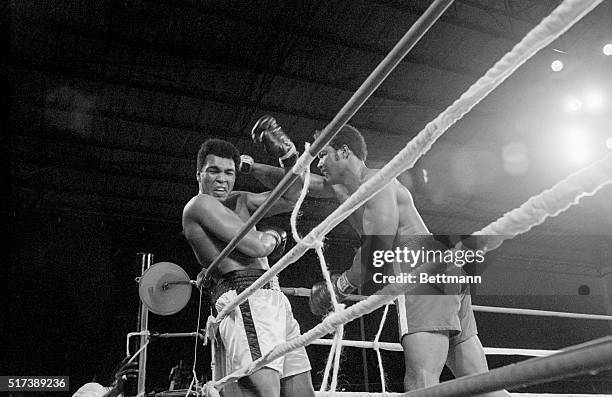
(305, 292)
(396, 347)
(548, 313)
(549, 203)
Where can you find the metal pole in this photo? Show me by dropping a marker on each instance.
(146, 260)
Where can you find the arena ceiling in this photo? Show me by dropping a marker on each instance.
(110, 100)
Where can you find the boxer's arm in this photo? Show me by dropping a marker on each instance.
(271, 176)
(255, 200)
(224, 224)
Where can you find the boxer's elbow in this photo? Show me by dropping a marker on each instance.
(258, 247)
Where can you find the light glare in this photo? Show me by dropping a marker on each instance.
(577, 146)
(607, 49)
(572, 105)
(593, 100)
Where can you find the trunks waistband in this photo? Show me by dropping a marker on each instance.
(237, 280)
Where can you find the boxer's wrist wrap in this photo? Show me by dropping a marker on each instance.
(289, 159)
(344, 286)
(246, 164)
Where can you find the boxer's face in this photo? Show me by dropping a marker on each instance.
(331, 164)
(217, 176)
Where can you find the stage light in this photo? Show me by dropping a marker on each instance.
(556, 65)
(609, 143)
(607, 49)
(572, 105)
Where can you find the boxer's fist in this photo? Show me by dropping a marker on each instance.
(281, 240)
(246, 164)
(268, 133)
(320, 300)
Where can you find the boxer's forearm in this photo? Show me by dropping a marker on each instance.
(356, 273)
(271, 176)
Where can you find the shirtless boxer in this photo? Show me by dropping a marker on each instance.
(210, 220)
(435, 328)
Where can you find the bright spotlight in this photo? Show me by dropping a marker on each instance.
(607, 49)
(556, 65)
(609, 143)
(593, 100)
(572, 105)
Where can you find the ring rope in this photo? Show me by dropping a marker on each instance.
(564, 16)
(305, 292)
(549, 203)
(533, 312)
(587, 358)
(397, 347)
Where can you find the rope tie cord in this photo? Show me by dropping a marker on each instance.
(376, 347)
(330, 359)
(194, 380)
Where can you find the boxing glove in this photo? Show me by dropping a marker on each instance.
(281, 240)
(268, 133)
(246, 164)
(320, 300)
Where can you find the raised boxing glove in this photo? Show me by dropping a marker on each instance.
(268, 133)
(281, 240)
(320, 300)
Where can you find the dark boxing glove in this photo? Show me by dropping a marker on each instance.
(246, 164)
(320, 300)
(281, 240)
(268, 133)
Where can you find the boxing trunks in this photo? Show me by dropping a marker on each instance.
(256, 326)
